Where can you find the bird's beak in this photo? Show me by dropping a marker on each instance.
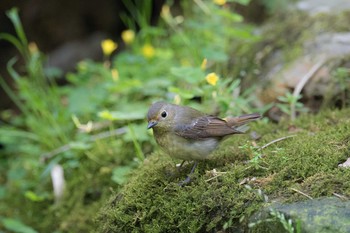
(151, 124)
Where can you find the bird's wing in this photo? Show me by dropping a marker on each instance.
(205, 127)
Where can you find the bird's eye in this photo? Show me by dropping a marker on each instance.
(164, 114)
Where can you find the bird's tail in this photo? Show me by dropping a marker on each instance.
(239, 122)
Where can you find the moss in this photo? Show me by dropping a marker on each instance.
(84, 196)
(153, 202)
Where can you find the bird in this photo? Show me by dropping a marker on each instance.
(190, 135)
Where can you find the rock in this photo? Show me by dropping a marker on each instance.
(324, 53)
(346, 164)
(305, 46)
(323, 6)
(318, 215)
(69, 54)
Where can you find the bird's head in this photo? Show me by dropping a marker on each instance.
(161, 115)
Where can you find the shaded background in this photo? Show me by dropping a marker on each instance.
(66, 31)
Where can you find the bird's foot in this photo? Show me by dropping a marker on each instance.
(188, 178)
(185, 181)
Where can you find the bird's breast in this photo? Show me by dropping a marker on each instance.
(186, 149)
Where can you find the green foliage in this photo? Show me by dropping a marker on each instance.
(95, 127)
(286, 223)
(255, 155)
(274, 5)
(278, 217)
(140, 14)
(119, 174)
(342, 77)
(49, 131)
(14, 225)
(289, 104)
(176, 74)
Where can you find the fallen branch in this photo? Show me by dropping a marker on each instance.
(302, 83)
(342, 197)
(215, 174)
(276, 140)
(300, 192)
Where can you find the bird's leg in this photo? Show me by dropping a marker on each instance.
(181, 164)
(188, 178)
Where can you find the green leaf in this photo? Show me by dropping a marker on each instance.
(234, 17)
(12, 39)
(140, 133)
(240, 33)
(189, 74)
(84, 100)
(11, 70)
(215, 54)
(282, 99)
(119, 174)
(126, 85)
(80, 145)
(242, 2)
(136, 143)
(123, 116)
(15, 225)
(33, 196)
(13, 15)
(185, 94)
(18, 133)
(2, 192)
(284, 108)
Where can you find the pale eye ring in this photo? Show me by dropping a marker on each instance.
(164, 114)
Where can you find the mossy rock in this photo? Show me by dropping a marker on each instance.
(323, 215)
(295, 44)
(152, 201)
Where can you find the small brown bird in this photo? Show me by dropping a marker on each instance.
(188, 134)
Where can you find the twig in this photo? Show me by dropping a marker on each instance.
(302, 83)
(341, 196)
(276, 140)
(93, 138)
(216, 176)
(204, 7)
(108, 134)
(300, 192)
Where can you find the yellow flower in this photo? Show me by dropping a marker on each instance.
(108, 46)
(115, 74)
(107, 115)
(33, 48)
(204, 64)
(165, 10)
(148, 51)
(177, 99)
(128, 36)
(220, 2)
(212, 79)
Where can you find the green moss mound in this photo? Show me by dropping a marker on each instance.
(152, 201)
